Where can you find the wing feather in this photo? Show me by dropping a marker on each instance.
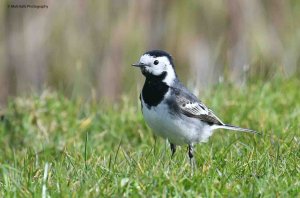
(191, 107)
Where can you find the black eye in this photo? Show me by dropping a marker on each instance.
(156, 62)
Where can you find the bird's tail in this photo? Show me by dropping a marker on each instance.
(235, 128)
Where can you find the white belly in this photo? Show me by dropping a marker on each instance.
(177, 129)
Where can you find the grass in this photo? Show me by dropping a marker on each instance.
(53, 146)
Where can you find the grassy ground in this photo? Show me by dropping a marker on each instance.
(50, 145)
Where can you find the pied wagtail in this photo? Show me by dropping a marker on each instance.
(170, 109)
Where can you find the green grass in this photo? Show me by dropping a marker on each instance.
(92, 149)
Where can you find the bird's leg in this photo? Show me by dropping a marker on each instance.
(191, 156)
(173, 149)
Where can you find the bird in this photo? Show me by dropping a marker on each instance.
(170, 109)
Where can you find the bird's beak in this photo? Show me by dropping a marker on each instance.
(139, 64)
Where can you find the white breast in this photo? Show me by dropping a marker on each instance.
(177, 129)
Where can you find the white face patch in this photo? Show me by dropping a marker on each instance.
(157, 65)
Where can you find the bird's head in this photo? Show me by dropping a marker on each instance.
(157, 64)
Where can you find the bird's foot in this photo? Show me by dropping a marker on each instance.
(192, 159)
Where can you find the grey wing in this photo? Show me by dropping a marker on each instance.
(190, 106)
